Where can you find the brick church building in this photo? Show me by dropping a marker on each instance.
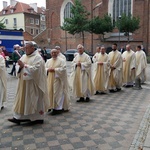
(57, 10)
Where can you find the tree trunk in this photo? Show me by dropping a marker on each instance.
(128, 37)
(83, 38)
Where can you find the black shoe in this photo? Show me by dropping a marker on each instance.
(118, 89)
(87, 99)
(128, 86)
(49, 110)
(81, 99)
(10, 73)
(37, 122)
(96, 93)
(112, 91)
(55, 112)
(2, 107)
(14, 120)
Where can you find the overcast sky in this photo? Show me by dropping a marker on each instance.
(39, 2)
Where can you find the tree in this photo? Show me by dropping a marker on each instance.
(128, 24)
(79, 20)
(100, 25)
(2, 26)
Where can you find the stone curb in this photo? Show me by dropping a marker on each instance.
(141, 134)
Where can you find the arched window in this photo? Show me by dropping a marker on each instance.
(117, 7)
(65, 11)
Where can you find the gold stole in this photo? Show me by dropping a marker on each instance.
(50, 80)
(21, 91)
(112, 82)
(126, 65)
(99, 74)
(78, 78)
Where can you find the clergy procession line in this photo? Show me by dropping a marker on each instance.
(46, 88)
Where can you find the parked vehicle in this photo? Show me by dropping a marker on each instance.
(48, 53)
(70, 54)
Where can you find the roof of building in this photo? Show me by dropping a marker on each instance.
(22, 8)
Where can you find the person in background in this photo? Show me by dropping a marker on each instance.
(6, 57)
(3, 82)
(44, 54)
(2, 53)
(31, 101)
(94, 58)
(122, 49)
(59, 53)
(16, 55)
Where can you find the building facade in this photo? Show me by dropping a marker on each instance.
(27, 17)
(57, 10)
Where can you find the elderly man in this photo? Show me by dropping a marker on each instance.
(141, 64)
(101, 71)
(129, 64)
(115, 74)
(80, 78)
(98, 49)
(59, 53)
(57, 83)
(31, 97)
(3, 82)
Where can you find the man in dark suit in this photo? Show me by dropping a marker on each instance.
(122, 49)
(44, 53)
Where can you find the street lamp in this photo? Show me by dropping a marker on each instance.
(119, 29)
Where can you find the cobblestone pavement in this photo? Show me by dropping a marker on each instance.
(107, 122)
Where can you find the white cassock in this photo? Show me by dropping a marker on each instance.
(129, 62)
(80, 78)
(94, 58)
(3, 81)
(32, 97)
(101, 72)
(61, 56)
(57, 82)
(115, 76)
(141, 64)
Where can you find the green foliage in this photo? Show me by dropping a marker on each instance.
(2, 26)
(128, 24)
(79, 20)
(100, 25)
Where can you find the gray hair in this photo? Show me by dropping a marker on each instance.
(57, 47)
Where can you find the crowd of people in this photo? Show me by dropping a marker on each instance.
(45, 87)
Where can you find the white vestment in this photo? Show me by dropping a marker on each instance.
(115, 75)
(32, 97)
(141, 64)
(57, 82)
(101, 72)
(3, 81)
(62, 56)
(80, 78)
(129, 62)
(94, 58)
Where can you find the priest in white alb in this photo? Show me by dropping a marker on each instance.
(31, 101)
(57, 82)
(129, 65)
(80, 78)
(3, 82)
(101, 72)
(94, 58)
(115, 73)
(141, 64)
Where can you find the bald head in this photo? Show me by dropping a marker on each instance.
(128, 47)
(80, 49)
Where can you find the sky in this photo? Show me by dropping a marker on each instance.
(39, 2)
